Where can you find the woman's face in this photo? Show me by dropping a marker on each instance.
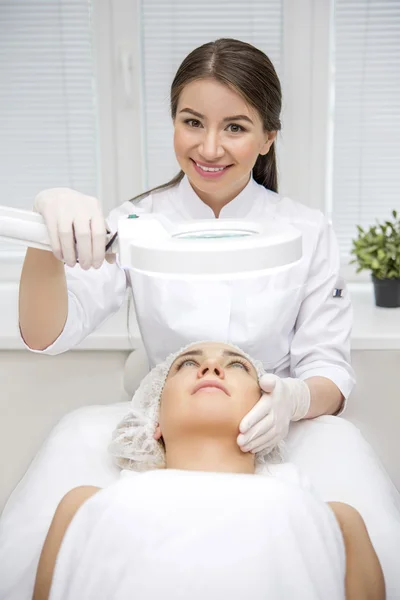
(216, 128)
(209, 387)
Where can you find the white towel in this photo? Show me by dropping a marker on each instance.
(182, 535)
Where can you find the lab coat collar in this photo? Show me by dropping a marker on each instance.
(194, 208)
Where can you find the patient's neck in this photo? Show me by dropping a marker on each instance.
(196, 453)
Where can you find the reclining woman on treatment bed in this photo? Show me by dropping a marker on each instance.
(193, 516)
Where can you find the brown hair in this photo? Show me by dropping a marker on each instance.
(249, 72)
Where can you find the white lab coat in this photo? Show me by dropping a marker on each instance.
(289, 318)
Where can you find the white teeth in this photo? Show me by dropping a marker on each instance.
(209, 168)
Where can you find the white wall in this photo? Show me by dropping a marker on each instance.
(375, 405)
(37, 390)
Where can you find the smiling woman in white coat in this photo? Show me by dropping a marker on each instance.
(225, 107)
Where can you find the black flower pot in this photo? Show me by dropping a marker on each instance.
(387, 292)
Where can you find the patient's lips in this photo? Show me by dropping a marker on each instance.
(210, 383)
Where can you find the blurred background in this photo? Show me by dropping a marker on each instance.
(84, 103)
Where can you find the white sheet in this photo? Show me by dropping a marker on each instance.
(176, 534)
(330, 451)
(343, 467)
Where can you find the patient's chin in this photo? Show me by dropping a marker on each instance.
(218, 408)
(215, 422)
(204, 413)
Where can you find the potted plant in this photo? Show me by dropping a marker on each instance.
(378, 250)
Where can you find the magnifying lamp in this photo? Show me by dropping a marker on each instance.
(153, 244)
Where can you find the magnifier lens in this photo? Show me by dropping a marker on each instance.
(214, 234)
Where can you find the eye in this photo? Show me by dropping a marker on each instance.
(235, 128)
(240, 364)
(193, 123)
(188, 362)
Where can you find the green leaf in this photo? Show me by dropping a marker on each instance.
(378, 248)
(381, 254)
(375, 264)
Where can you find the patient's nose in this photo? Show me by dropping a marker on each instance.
(212, 366)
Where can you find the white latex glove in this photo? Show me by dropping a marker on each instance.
(267, 423)
(73, 218)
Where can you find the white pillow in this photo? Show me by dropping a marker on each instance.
(136, 367)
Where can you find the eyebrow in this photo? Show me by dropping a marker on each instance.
(234, 118)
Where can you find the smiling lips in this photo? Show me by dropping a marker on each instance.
(210, 383)
(209, 165)
(210, 171)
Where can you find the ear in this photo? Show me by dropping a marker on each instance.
(157, 433)
(268, 142)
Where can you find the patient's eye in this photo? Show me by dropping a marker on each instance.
(187, 362)
(240, 364)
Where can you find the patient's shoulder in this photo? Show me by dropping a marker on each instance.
(73, 499)
(79, 494)
(63, 516)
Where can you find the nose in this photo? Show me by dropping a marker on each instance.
(210, 147)
(211, 367)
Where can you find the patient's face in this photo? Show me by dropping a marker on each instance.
(209, 389)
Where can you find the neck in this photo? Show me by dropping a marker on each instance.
(208, 454)
(217, 200)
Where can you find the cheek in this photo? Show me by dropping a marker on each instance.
(172, 403)
(166, 408)
(250, 394)
(183, 139)
(245, 150)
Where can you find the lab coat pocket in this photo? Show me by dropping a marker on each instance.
(271, 318)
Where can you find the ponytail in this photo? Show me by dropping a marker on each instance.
(265, 171)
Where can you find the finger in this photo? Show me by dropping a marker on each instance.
(52, 230)
(66, 235)
(83, 237)
(267, 440)
(99, 235)
(268, 447)
(257, 413)
(260, 428)
(267, 382)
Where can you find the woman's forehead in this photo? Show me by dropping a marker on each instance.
(214, 99)
(200, 90)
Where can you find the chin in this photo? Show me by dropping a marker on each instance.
(207, 186)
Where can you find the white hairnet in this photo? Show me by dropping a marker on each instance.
(133, 445)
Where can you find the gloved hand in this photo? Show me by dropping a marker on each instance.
(267, 423)
(73, 218)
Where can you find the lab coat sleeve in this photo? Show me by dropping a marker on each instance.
(93, 296)
(96, 294)
(321, 343)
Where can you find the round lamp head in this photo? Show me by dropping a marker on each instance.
(222, 248)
